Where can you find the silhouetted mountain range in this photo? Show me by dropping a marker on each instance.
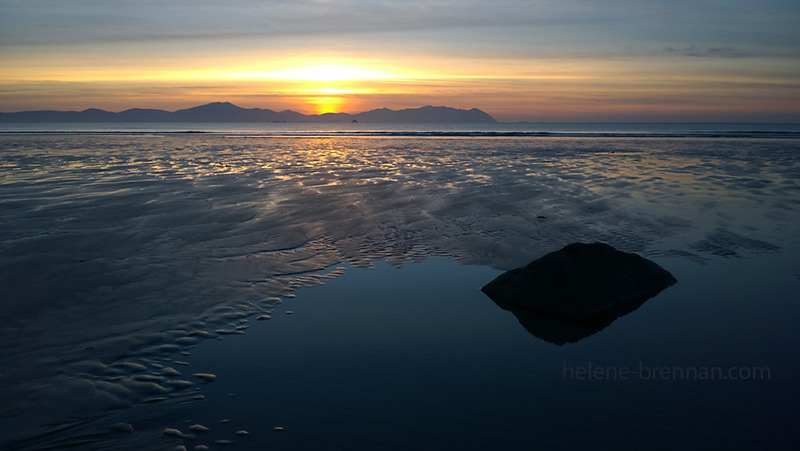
(228, 112)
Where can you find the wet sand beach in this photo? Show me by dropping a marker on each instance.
(147, 280)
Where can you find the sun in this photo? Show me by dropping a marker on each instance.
(327, 104)
(322, 86)
(327, 87)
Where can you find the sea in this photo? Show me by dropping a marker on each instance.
(317, 286)
(502, 129)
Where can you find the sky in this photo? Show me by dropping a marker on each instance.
(518, 60)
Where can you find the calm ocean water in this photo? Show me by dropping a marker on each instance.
(134, 256)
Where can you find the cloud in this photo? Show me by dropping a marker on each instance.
(711, 52)
(78, 21)
(733, 52)
(574, 25)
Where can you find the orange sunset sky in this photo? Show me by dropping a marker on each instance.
(604, 60)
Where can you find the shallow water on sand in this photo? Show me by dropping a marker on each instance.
(419, 358)
(122, 254)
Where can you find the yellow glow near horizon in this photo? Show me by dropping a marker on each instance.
(318, 83)
(330, 91)
(325, 72)
(324, 84)
(327, 104)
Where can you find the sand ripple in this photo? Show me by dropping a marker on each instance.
(119, 254)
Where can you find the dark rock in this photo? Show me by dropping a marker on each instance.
(586, 285)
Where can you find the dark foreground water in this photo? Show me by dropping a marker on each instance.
(133, 264)
(419, 358)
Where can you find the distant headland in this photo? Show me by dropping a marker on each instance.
(228, 112)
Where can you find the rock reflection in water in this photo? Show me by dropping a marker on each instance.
(561, 330)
